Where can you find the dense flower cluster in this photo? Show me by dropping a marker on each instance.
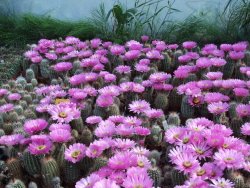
(95, 113)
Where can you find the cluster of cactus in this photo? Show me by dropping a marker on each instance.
(53, 169)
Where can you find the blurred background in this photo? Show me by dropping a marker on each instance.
(205, 21)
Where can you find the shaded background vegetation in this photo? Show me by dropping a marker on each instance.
(120, 24)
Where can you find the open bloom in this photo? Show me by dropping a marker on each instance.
(218, 107)
(64, 112)
(60, 135)
(228, 158)
(75, 152)
(88, 182)
(243, 110)
(245, 129)
(36, 125)
(221, 183)
(63, 66)
(139, 106)
(10, 140)
(40, 145)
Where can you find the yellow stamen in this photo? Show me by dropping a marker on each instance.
(62, 115)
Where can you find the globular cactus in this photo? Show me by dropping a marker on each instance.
(85, 164)
(8, 128)
(77, 124)
(29, 114)
(13, 116)
(161, 101)
(187, 111)
(32, 185)
(87, 111)
(237, 178)
(54, 82)
(29, 75)
(177, 177)
(99, 111)
(35, 68)
(15, 168)
(27, 98)
(138, 79)
(72, 172)
(2, 101)
(18, 109)
(60, 159)
(16, 184)
(2, 132)
(232, 110)
(19, 87)
(21, 80)
(31, 163)
(6, 86)
(1, 121)
(190, 78)
(23, 104)
(175, 100)
(86, 136)
(17, 125)
(45, 68)
(228, 69)
(155, 138)
(113, 110)
(34, 82)
(155, 174)
(12, 83)
(166, 65)
(29, 87)
(56, 182)
(13, 152)
(49, 170)
(235, 124)
(174, 119)
(99, 163)
(155, 156)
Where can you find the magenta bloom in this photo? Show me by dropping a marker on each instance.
(122, 161)
(36, 59)
(189, 44)
(75, 152)
(60, 135)
(218, 62)
(88, 182)
(11, 140)
(139, 106)
(3, 92)
(221, 182)
(6, 108)
(218, 107)
(226, 47)
(159, 77)
(228, 158)
(241, 92)
(106, 183)
(215, 97)
(204, 62)
(245, 129)
(95, 43)
(63, 66)
(186, 163)
(117, 49)
(134, 45)
(214, 75)
(154, 54)
(34, 126)
(123, 69)
(40, 145)
(137, 178)
(104, 100)
(142, 68)
(14, 97)
(77, 79)
(236, 55)
(132, 54)
(144, 38)
(64, 112)
(56, 126)
(154, 113)
(243, 110)
(240, 46)
(93, 120)
(105, 129)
